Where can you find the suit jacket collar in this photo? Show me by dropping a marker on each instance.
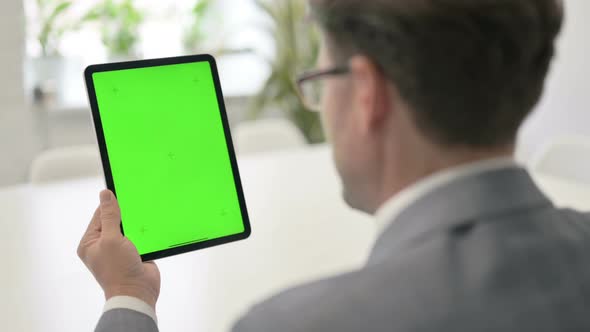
(460, 203)
(389, 211)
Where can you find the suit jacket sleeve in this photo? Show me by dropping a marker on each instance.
(125, 320)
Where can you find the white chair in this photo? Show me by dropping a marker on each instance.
(66, 163)
(267, 135)
(567, 157)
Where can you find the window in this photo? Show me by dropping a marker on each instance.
(73, 42)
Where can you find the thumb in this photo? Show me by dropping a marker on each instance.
(110, 214)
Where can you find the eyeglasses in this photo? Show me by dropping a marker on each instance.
(311, 86)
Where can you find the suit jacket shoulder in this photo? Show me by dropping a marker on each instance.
(387, 296)
(487, 253)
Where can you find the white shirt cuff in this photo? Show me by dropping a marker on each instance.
(131, 303)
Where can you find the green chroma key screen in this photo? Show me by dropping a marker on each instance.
(168, 147)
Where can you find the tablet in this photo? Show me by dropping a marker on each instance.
(167, 153)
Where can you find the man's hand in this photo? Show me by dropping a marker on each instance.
(113, 259)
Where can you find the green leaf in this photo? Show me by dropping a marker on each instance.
(201, 7)
(92, 15)
(120, 23)
(62, 7)
(297, 48)
(49, 34)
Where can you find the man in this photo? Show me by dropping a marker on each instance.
(422, 100)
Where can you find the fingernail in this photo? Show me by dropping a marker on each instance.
(105, 196)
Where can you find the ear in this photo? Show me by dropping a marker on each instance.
(372, 95)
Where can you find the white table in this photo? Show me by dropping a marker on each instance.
(301, 230)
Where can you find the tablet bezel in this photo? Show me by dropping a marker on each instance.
(90, 70)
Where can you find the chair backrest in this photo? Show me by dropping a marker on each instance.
(66, 163)
(567, 157)
(267, 135)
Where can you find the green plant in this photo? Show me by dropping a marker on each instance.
(51, 32)
(199, 39)
(194, 35)
(120, 22)
(297, 48)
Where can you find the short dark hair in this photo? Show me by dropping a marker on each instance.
(471, 70)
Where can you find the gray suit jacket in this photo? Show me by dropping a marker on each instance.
(484, 253)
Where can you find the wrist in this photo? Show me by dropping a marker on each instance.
(134, 291)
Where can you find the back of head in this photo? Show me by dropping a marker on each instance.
(471, 70)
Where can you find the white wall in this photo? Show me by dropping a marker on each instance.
(565, 108)
(17, 137)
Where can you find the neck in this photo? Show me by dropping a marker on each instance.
(402, 172)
